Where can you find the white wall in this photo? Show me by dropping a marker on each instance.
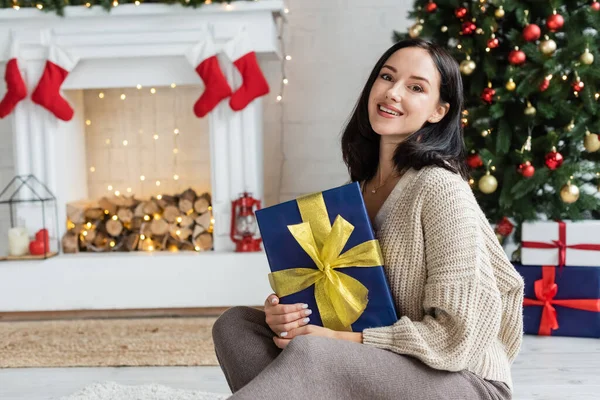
(6, 170)
(334, 45)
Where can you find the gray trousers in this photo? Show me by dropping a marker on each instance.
(314, 367)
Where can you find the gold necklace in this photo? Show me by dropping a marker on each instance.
(374, 190)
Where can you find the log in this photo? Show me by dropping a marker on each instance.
(146, 229)
(136, 223)
(201, 205)
(70, 243)
(139, 210)
(125, 215)
(204, 241)
(189, 195)
(204, 220)
(90, 236)
(101, 240)
(198, 229)
(187, 246)
(171, 213)
(114, 227)
(150, 208)
(131, 241)
(159, 227)
(166, 201)
(94, 214)
(76, 212)
(186, 206)
(109, 205)
(184, 233)
(186, 221)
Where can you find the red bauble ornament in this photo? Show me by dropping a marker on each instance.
(460, 12)
(555, 22)
(468, 28)
(474, 161)
(488, 95)
(526, 169)
(43, 236)
(531, 32)
(578, 85)
(554, 159)
(492, 43)
(595, 6)
(431, 7)
(504, 227)
(517, 57)
(544, 85)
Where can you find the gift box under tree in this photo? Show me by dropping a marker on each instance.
(561, 301)
(561, 243)
(322, 252)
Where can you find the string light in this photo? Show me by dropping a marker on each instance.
(287, 10)
(128, 190)
(176, 177)
(157, 183)
(173, 85)
(137, 3)
(112, 243)
(125, 142)
(110, 188)
(152, 90)
(176, 131)
(107, 141)
(88, 122)
(155, 137)
(92, 169)
(142, 178)
(123, 97)
(114, 218)
(139, 86)
(88, 5)
(115, 3)
(88, 225)
(142, 237)
(16, 5)
(39, 6)
(146, 218)
(175, 150)
(288, 58)
(117, 193)
(159, 197)
(179, 219)
(101, 95)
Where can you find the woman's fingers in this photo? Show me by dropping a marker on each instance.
(271, 300)
(283, 329)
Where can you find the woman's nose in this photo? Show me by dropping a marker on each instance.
(393, 95)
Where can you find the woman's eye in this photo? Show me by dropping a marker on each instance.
(386, 77)
(417, 88)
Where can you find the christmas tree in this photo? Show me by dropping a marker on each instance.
(531, 72)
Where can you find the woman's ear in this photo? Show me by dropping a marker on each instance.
(439, 113)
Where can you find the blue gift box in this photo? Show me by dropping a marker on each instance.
(572, 284)
(284, 252)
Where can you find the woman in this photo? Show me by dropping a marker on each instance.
(459, 298)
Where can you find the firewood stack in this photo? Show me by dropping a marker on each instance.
(121, 223)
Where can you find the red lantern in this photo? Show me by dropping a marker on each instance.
(243, 223)
(531, 32)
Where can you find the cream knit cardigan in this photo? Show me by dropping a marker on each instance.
(459, 298)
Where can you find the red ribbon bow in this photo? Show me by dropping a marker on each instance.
(561, 245)
(545, 290)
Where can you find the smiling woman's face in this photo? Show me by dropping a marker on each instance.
(406, 94)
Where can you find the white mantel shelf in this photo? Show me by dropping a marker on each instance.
(134, 281)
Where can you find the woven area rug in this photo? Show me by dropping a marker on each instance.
(114, 391)
(107, 342)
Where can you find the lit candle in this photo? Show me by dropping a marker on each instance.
(18, 241)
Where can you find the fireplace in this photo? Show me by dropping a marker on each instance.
(125, 54)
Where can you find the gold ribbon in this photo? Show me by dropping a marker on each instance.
(340, 298)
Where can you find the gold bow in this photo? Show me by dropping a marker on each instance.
(340, 298)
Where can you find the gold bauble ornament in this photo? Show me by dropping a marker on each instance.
(467, 66)
(485, 132)
(547, 46)
(488, 183)
(591, 142)
(415, 30)
(587, 58)
(571, 126)
(510, 85)
(530, 110)
(569, 193)
(499, 13)
(444, 28)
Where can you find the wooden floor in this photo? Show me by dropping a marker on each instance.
(547, 369)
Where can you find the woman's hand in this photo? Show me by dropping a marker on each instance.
(311, 330)
(282, 318)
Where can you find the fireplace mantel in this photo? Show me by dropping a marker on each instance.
(134, 45)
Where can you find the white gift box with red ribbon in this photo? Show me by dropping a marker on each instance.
(561, 243)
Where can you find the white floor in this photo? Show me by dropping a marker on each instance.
(547, 369)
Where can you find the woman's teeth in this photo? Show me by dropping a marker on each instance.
(387, 110)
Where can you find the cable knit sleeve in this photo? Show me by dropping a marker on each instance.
(462, 302)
